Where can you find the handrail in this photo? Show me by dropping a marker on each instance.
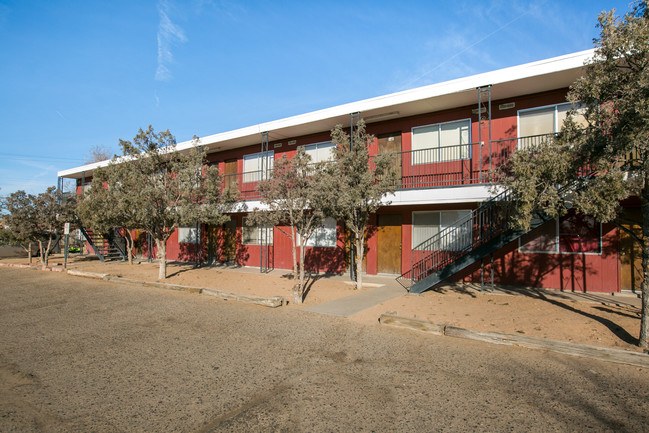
(483, 224)
(435, 167)
(464, 235)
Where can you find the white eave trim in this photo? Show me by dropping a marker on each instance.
(528, 70)
(541, 67)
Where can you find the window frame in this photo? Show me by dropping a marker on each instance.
(441, 226)
(330, 144)
(257, 228)
(314, 240)
(192, 233)
(556, 125)
(557, 243)
(462, 154)
(257, 174)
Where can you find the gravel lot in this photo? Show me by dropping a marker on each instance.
(85, 355)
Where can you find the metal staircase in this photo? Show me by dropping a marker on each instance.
(106, 246)
(487, 229)
(468, 240)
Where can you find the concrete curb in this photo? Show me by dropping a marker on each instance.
(16, 265)
(87, 274)
(593, 352)
(34, 267)
(273, 302)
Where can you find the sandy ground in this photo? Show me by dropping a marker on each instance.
(87, 355)
(611, 323)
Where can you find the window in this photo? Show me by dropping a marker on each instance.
(320, 152)
(545, 120)
(253, 235)
(579, 234)
(324, 236)
(540, 240)
(571, 234)
(253, 165)
(428, 224)
(441, 142)
(188, 235)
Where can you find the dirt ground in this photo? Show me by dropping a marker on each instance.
(612, 321)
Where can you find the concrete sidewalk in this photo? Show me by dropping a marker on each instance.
(356, 303)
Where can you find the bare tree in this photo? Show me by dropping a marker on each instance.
(295, 195)
(163, 188)
(21, 220)
(361, 185)
(39, 219)
(612, 147)
(110, 203)
(97, 154)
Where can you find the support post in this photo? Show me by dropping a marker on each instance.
(264, 261)
(492, 273)
(59, 186)
(481, 275)
(481, 91)
(199, 244)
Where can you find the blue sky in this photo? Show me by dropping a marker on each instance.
(78, 74)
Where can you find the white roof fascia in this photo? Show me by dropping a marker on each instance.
(541, 67)
(513, 73)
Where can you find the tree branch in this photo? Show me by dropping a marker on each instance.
(627, 231)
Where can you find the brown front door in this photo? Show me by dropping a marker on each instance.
(391, 143)
(212, 233)
(230, 241)
(389, 244)
(631, 252)
(230, 172)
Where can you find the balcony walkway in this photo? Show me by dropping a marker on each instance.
(438, 167)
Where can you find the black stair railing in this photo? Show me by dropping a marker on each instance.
(105, 247)
(484, 224)
(466, 234)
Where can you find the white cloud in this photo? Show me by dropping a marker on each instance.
(169, 34)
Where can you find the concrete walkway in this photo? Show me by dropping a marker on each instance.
(356, 303)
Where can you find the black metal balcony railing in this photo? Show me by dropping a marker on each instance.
(463, 164)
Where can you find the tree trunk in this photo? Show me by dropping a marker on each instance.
(29, 253)
(41, 256)
(129, 245)
(46, 253)
(301, 266)
(359, 261)
(294, 252)
(643, 341)
(162, 258)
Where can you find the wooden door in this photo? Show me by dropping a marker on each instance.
(212, 233)
(391, 143)
(230, 172)
(631, 252)
(229, 250)
(389, 244)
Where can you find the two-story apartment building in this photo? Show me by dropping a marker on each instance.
(446, 138)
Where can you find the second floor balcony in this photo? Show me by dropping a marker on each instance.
(439, 167)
